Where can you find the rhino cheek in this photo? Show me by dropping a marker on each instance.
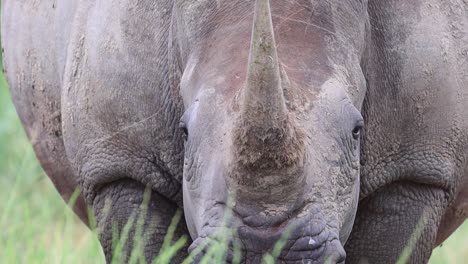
(203, 192)
(189, 210)
(350, 215)
(333, 181)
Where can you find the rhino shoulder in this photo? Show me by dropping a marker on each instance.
(34, 42)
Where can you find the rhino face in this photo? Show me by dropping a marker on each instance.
(272, 122)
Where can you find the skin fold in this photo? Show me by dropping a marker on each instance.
(414, 166)
(345, 121)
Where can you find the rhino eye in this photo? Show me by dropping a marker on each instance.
(183, 128)
(357, 131)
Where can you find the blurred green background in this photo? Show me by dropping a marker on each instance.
(38, 227)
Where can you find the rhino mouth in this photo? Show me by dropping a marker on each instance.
(304, 249)
(301, 239)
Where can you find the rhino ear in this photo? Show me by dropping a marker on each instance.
(263, 92)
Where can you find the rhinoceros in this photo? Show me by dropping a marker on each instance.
(342, 122)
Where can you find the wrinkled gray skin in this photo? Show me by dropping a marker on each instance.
(107, 89)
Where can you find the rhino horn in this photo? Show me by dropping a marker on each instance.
(265, 135)
(262, 97)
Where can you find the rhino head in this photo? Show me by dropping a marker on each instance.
(272, 123)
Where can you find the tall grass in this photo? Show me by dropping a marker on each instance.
(36, 226)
